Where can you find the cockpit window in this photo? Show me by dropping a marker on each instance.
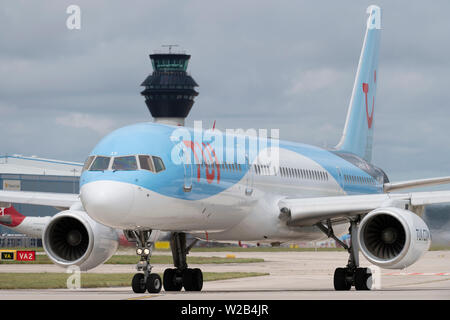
(100, 164)
(159, 164)
(125, 163)
(88, 163)
(146, 163)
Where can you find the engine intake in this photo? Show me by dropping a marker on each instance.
(384, 236)
(68, 238)
(73, 238)
(393, 238)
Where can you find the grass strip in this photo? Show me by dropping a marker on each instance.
(93, 280)
(156, 259)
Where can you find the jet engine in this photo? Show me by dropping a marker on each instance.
(393, 238)
(73, 238)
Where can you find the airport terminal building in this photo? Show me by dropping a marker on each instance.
(20, 173)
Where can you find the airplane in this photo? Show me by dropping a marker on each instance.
(14, 220)
(156, 176)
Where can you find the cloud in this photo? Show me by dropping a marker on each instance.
(96, 123)
(260, 64)
(315, 80)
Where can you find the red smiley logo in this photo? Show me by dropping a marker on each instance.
(365, 87)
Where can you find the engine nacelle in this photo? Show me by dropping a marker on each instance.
(393, 238)
(73, 238)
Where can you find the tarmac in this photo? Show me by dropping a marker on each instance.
(292, 276)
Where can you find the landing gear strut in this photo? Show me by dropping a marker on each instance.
(352, 274)
(181, 275)
(147, 280)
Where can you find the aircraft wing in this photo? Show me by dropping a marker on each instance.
(59, 200)
(309, 211)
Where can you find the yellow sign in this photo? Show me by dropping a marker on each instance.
(13, 185)
(162, 245)
(8, 254)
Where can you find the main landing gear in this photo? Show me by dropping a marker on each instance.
(181, 275)
(173, 279)
(352, 274)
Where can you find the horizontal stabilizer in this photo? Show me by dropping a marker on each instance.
(6, 219)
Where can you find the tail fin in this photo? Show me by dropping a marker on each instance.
(10, 217)
(358, 132)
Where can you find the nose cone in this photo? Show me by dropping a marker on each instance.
(108, 202)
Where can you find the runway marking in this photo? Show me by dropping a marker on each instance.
(416, 274)
(143, 297)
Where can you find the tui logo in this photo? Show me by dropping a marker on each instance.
(365, 88)
(207, 156)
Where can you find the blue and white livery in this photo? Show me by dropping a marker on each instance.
(138, 179)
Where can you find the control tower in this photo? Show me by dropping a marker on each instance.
(169, 91)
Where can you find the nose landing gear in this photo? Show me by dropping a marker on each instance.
(145, 281)
(174, 279)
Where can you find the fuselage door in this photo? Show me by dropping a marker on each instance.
(341, 179)
(249, 179)
(185, 154)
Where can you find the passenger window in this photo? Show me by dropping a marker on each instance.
(159, 164)
(127, 163)
(146, 163)
(100, 164)
(88, 163)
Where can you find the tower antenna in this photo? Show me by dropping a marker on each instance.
(170, 46)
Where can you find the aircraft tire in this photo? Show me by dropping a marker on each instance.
(340, 281)
(137, 284)
(361, 279)
(154, 283)
(169, 280)
(193, 280)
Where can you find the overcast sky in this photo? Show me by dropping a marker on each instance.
(260, 64)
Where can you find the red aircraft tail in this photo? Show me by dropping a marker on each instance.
(10, 217)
